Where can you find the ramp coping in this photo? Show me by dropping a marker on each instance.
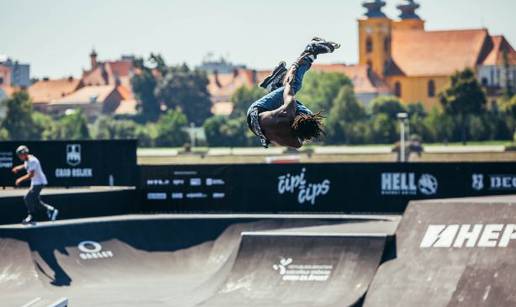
(379, 217)
(62, 302)
(311, 234)
(32, 302)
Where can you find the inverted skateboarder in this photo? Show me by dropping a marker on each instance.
(278, 117)
(38, 180)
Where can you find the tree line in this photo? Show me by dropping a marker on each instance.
(173, 97)
(463, 114)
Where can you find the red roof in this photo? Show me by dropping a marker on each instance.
(45, 91)
(437, 53)
(364, 80)
(222, 86)
(500, 45)
(121, 68)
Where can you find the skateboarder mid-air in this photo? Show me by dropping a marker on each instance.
(278, 117)
(38, 180)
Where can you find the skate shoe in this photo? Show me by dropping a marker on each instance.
(319, 46)
(275, 79)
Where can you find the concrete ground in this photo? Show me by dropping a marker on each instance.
(451, 153)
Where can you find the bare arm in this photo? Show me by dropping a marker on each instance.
(25, 177)
(18, 168)
(289, 99)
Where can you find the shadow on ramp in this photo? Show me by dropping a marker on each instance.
(172, 260)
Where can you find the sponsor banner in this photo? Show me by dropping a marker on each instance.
(76, 163)
(408, 184)
(494, 182)
(325, 187)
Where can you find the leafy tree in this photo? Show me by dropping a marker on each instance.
(108, 128)
(4, 134)
(384, 129)
(243, 97)
(224, 131)
(44, 125)
(144, 84)
(345, 113)
(384, 122)
(441, 126)
(18, 121)
(508, 109)
(463, 98)
(146, 135)
(169, 129)
(508, 91)
(498, 124)
(72, 127)
(417, 124)
(388, 105)
(320, 89)
(186, 89)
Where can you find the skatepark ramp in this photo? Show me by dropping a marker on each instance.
(301, 270)
(193, 260)
(451, 252)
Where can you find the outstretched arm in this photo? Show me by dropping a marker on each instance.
(289, 99)
(18, 168)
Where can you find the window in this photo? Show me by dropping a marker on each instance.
(387, 44)
(1, 80)
(431, 88)
(397, 89)
(369, 64)
(484, 81)
(369, 45)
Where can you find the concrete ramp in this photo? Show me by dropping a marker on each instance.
(303, 269)
(453, 252)
(176, 260)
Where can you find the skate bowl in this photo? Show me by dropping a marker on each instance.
(194, 260)
(451, 252)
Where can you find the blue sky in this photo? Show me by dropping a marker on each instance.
(55, 37)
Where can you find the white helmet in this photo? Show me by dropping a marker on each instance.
(22, 149)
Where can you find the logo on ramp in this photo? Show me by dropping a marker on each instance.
(93, 250)
(467, 235)
(289, 271)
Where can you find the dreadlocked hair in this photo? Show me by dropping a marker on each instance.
(308, 126)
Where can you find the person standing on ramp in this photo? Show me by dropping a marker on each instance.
(278, 117)
(38, 180)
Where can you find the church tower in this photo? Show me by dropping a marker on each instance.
(93, 59)
(409, 20)
(374, 37)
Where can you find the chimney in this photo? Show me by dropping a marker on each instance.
(217, 81)
(93, 59)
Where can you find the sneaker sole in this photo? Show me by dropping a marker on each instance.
(334, 45)
(275, 73)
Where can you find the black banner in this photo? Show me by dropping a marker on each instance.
(75, 163)
(343, 187)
